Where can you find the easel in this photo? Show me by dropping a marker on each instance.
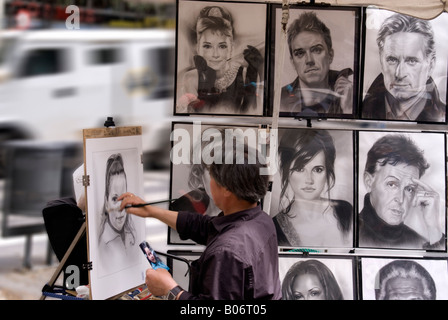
(48, 289)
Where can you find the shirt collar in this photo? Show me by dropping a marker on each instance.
(110, 235)
(221, 221)
(413, 110)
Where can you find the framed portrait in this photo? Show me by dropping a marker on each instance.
(402, 198)
(404, 70)
(387, 278)
(112, 167)
(195, 146)
(312, 200)
(314, 61)
(317, 277)
(220, 58)
(179, 262)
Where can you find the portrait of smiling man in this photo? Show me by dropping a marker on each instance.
(317, 88)
(405, 88)
(395, 191)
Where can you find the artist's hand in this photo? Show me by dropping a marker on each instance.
(159, 281)
(427, 202)
(128, 199)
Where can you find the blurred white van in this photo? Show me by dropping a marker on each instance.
(54, 83)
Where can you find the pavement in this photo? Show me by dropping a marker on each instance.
(20, 283)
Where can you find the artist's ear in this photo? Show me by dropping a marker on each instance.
(227, 193)
(368, 181)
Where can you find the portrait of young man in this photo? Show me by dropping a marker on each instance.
(405, 68)
(319, 66)
(401, 196)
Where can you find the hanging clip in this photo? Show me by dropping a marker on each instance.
(87, 266)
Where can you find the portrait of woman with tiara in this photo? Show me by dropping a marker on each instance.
(223, 75)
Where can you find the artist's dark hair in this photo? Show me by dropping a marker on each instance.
(406, 269)
(404, 23)
(328, 282)
(241, 176)
(308, 21)
(393, 149)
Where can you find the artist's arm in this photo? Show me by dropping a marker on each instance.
(166, 216)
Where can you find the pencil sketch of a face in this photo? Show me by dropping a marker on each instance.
(316, 279)
(120, 224)
(220, 58)
(405, 68)
(312, 192)
(116, 229)
(404, 279)
(402, 206)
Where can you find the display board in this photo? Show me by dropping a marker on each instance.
(368, 139)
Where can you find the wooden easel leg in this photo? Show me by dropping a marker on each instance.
(58, 270)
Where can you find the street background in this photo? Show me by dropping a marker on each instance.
(135, 87)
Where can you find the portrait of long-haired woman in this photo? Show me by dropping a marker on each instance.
(117, 233)
(309, 212)
(310, 280)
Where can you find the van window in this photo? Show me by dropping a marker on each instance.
(161, 62)
(104, 56)
(40, 62)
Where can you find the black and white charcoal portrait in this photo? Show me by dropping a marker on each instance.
(312, 192)
(319, 64)
(117, 232)
(404, 279)
(220, 60)
(316, 278)
(405, 67)
(401, 192)
(190, 178)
